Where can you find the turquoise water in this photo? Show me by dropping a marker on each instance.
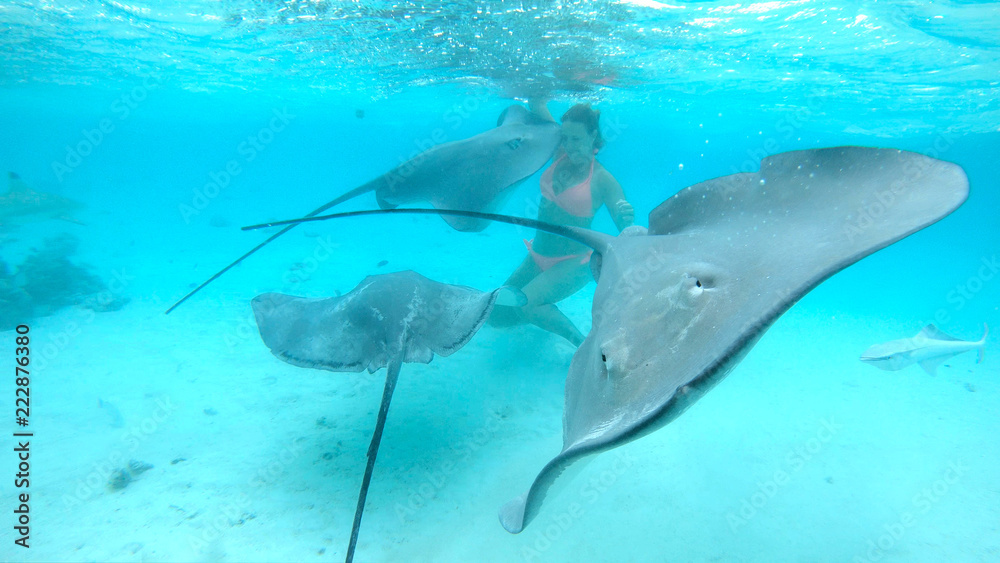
(136, 109)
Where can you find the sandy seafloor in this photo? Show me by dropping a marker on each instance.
(257, 460)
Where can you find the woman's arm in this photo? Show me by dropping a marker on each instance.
(622, 212)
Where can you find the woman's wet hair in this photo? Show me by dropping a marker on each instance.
(589, 118)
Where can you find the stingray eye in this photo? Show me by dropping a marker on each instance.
(605, 368)
(699, 282)
(514, 143)
(695, 286)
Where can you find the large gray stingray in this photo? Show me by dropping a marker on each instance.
(474, 174)
(677, 308)
(386, 320)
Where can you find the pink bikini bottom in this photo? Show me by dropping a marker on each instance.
(545, 262)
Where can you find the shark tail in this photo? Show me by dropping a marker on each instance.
(982, 343)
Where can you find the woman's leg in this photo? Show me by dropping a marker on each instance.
(524, 273)
(551, 286)
(544, 290)
(558, 282)
(504, 316)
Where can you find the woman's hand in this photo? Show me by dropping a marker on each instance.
(625, 212)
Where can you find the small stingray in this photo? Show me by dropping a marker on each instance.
(677, 307)
(385, 321)
(474, 174)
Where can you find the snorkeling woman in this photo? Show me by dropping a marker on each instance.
(574, 187)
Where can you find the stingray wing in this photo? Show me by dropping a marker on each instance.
(366, 328)
(450, 316)
(675, 311)
(474, 174)
(317, 333)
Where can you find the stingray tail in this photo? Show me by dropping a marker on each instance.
(349, 195)
(593, 239)
(391, 376)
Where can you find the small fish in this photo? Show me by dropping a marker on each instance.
(930, 348)
(382, 263)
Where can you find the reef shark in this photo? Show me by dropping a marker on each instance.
(677, 307)
(930, 348)
(21, 205)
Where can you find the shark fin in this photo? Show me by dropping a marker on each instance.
(934, 333)
(930, 365)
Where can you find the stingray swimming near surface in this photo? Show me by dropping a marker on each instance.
(386, 320)
(474, 174)
(677, 307)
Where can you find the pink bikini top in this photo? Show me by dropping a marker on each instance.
(575, 200)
